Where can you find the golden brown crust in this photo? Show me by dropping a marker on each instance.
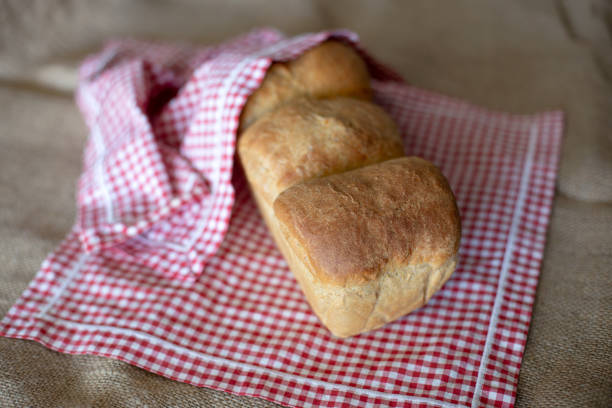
(308, 138)
(328, 70)
(367, 245)
(352, 309)
(351, 227)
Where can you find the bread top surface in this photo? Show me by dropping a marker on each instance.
(350, 227)
(328, 70)
(308, 138)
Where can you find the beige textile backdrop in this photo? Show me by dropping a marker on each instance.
(517, 56)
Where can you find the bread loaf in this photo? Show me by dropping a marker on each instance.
(370, 235)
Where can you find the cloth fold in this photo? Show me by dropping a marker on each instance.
(155, 198)
(157, 169)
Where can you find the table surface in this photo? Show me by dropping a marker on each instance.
(522, 57)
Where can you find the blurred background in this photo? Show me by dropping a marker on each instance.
(520, 56)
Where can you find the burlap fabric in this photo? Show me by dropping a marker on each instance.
(521, 57)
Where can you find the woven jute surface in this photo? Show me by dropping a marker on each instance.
(521, 57)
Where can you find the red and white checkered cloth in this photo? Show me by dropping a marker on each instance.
(158, 274)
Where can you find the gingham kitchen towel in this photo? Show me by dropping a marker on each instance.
(158, 274)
